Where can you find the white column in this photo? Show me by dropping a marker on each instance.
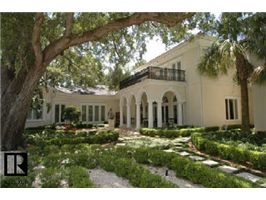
(128, 116)
(159, 114)
(150, 115)
(180, 122)
(121, 114)
(138, 116)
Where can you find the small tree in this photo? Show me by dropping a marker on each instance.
(71, 114)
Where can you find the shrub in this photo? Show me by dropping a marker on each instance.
(208, 177)
(231, 127)
(80, 125)
(78, 177)
(211, 128)
(194, 171)
(170, 133)
(136, 174)
(17, 181)
(50, 178)
(69, 137)
(71, 114)
(230, 151)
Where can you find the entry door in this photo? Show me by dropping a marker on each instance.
(166, 113)
(165, 116)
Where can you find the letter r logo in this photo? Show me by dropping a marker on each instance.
(15, 164)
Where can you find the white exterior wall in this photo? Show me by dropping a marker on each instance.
(77, 100)
(202, 98)
(259, 98)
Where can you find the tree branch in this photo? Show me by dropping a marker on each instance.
(56, 47)
(169, 19)
(69, 24)
(36, 35)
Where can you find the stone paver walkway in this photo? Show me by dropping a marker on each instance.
(182, 148)
(182, 183)
(104, 179)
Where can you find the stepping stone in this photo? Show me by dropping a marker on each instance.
(196, 158)
(249, 176)
(184, 153)
(178, 144)
(210, 163)
(263, 185)
(184, 140)
(228, 169)
(178, 148)
(120, 144)
(169, 150)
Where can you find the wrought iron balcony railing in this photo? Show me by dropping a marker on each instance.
(154, 73)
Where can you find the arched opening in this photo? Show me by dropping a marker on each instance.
(133, 112)
(165, 110)
(123, 112)
(171, 110)
(144, 110)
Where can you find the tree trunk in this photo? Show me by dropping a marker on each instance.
(16, 98)
(243, 74)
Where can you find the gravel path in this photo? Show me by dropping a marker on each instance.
(182, 183)
(104, 179)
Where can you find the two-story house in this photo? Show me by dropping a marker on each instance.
(168, 90)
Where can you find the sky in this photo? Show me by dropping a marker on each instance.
(155, 47)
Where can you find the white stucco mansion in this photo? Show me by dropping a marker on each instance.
(167, 90)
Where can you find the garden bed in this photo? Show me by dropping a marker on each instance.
(173, 133)
(249, 150)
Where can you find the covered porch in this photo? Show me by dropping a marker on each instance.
(152, 107)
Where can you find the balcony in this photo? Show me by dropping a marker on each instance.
(156, 73)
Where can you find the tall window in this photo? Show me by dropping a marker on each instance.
(93, 113)
(102, 113)
(231, 109)
(59, 109)
(83, 113)
(35, 113)
(90, 112)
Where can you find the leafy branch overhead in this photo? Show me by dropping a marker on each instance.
(31, 43)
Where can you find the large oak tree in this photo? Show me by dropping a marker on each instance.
(31, 42)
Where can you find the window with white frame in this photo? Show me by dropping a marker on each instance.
(93, 113)
(231, 108)
(36, 113)
(58, 114)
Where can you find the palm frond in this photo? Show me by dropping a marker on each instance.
(259, 75)
(219, 57)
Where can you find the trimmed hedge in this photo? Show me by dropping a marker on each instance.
(208, 177)
(17, 181)
(137, 175)
(78, 177)
(184, 167)
(230, 152)
(69, 137)
(172, 133)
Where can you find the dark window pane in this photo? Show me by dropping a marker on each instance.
(96, 117)
(83, 113)
(62, 112)
(102, 113)
(56, 113)
(226, 108)
(90, 113)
